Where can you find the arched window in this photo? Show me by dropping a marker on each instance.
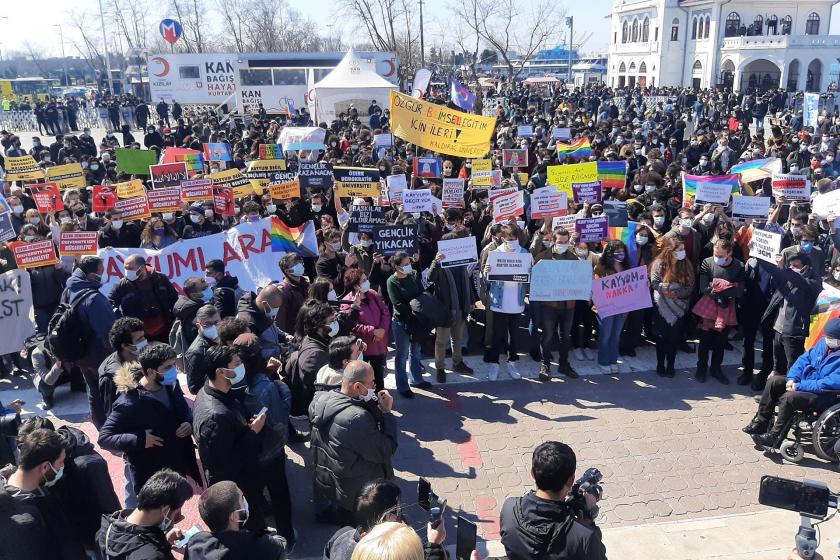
(675, 29)
(772, 24)
(632, 67)
(635, 35)
(625, 32)
(623, 68)
(787, 25)
(694, 28)
(646, 30)
(642, 68)
(708, 25)
(758, 25)
(697, 65)
(812, 26)
(733, 23)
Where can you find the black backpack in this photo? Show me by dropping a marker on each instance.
(66, 332)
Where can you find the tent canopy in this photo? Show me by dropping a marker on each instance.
(353, 82)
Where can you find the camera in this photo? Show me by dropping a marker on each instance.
(586, 484)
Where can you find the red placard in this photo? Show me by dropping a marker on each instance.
(134, 208)
(37, 253)
(196, 190)
(167, 175)
(78, 243)
(223, 200)
(104, 197)
(164, 200)
(47, 197)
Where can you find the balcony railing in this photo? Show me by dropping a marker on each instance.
(781, 42)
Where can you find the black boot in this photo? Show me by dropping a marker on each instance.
(770, 439)
(759, 380)
(670, 358)
(756, 427)
(744, 379)
(660, 361)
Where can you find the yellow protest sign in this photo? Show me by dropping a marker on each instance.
(562, 176)
(356, 181)
(23, 168)
(435, 127)
(233, 178)
(67, 176)
(263, 172)
(282, 191)
(131, 189)
(482, 173)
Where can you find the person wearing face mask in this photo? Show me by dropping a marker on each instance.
(148, 531)
(150, 423)
(116, 232)
(226, 290)
(196, 294)
(320, 326)
(373, 325)
(672, 282)
(683, 230)
(612, 260)
(157, 234)
(293, 289)
(333, 261)
(260, 312)
(206, 323)
(703, 167)
(810, 384)
(354, 437)
(145, 293)
(128, 339)
(805, 237)
(199, 225)
(224, 510)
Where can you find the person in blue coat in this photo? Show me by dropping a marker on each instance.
(812, 382)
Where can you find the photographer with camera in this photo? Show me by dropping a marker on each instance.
(557, 520)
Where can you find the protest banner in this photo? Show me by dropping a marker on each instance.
(245, 249)
(35, 254)
(383, 140)
(196, 189)
(621, 292)
(616, 212)
(263, 172)
(564, 280)
(453, 193)
(429, 167)
(22, 168)
(17, 318)
(509, 267)
(270, 151)
(71, 243)
(754, 207)
(515, 158)
(458, 252)
(811, 109)
(284, 191)
(193, 158)
(792, 187)
(297, 138)
(716, 193)
(7, 230)
(564, 176)
(217, 151)
(130, 189)
(388, 240)
(692, 184)
(223, 201)
(68, 176)
(561, 133)
(508, 206)
(828, 203)
(591, 193)
(496, 193)
(351, 182)
(592, 230)
(316, 175)
(47, 197)
(364, 218)
(547, 202)
(481, 172)
(135, 208)
(523, 178)
(164, 200)
(417, 200)
(104, 197)
(396, 185)
(135, 162)
(438, 128)
(525, 131)
(168, 175)
(765, 245)
(565, 222)
(233, 178)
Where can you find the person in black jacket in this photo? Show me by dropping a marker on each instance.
(379, 501)
(542, 524)
(758, 289)
(9, 425)
(199, 225)
(146, 294)
(196, 294)
(129, 339)
(206, 322)
(320, 324)
(224, 510)
(117, 233)
(226, 290)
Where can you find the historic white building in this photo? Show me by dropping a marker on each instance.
(732, 43)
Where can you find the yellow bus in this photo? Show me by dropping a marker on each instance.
(29, 89)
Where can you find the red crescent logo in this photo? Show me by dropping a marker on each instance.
(164, 63)
(392, 67)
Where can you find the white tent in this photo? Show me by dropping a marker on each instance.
(353, 82)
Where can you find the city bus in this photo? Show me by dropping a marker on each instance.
(28, 89)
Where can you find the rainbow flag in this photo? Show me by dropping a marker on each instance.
(271, 151)
(300, 240)
(195, 162)
(690, 183)
(628, 236)
(826, 309)
(193, 158)
(578, 149)
(612, 174)
(757, 169)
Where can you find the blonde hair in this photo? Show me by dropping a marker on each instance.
(389, 541)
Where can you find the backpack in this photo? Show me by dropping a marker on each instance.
(176, 338)
(66, 338)
(429, 311)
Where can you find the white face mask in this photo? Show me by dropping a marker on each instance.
(686, 222)
(641, 240)
(333, 328)
(35, 220)
(271, 208)
(332, 296)
(369, 396)
(58, 474)
(210, 332)
(407, 269)
(511, 245)
(364, 286)
(168, 216)
(658, 221)
(142, 343)
(832, 343)
(195, 218)
(836, 275)
(209, 213)
(116, 224)
(316, 207)
(561, 248)
(132, 274)
(680, 255)
(581, 252)
(708, 219)
(272, 312)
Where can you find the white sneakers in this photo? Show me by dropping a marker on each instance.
(606, 370)
(493, 374)
(579, 354)
(514, 374)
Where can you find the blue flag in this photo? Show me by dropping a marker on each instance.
(461, 96)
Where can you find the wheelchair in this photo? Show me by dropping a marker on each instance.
(819, 426)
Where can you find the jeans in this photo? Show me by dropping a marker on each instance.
(609, 334)
(713, 341)
(504, 334)
(786, 350)
(751, 328)
(406, 350)
(583, 323)
(97, 409)
(378, 365)
(442, 338)
(550, 319)
(274, 474)
(128, 491)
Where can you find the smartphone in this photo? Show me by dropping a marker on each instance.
(188, 534)
(809, 499)
(424, 493)
(466, 539)
(436, 511)
(263, 410)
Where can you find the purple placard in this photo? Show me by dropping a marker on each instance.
(621, 292)
(592, 230)
(587, 192)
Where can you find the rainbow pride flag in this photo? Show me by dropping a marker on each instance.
(270, 151)
(628, 236)
(193, 158)
(300, 240)
(826, 309)
(578, 149)
(612, 174)
(195, 162)
(690, 183)
(757, 169)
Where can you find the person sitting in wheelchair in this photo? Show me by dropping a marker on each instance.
(811, 384)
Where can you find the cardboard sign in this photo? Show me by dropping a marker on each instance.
(561, 280)
(364, 218)
(716, 193)
(263, 172)
(7, 230)
(396, 185)
(792, 187)
(458, 252)
(515, 158)
(17, 321)
(73, 243)
(284, 191)
(351, 182)
(508, 206)
(68, 176)
(297, 138)
(135, 162)
(217, 151)
(509, 267)
(493, 194)
(428, 167)
(453, 193)
(168, 175)
(164, 200)
(588, 192)
(755, 207)
(234, 179)
(130, 189)
(417, 200)
(592, 230)
(22, 168)
(565, 222)
(560, 133)
(135, 208)
(547, 202)
(196, 189)
(564, 176)
(270, 151)
(384, 140)
(104, 198)
(223, 201)
(622, 292)
(525, 131)
(35, 254)
(47, 197)
(481, 172)
(389, 240)
(315, 175)
(828, 203)
(765, 245)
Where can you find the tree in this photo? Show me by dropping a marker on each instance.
(389, 25)
(488, 56)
